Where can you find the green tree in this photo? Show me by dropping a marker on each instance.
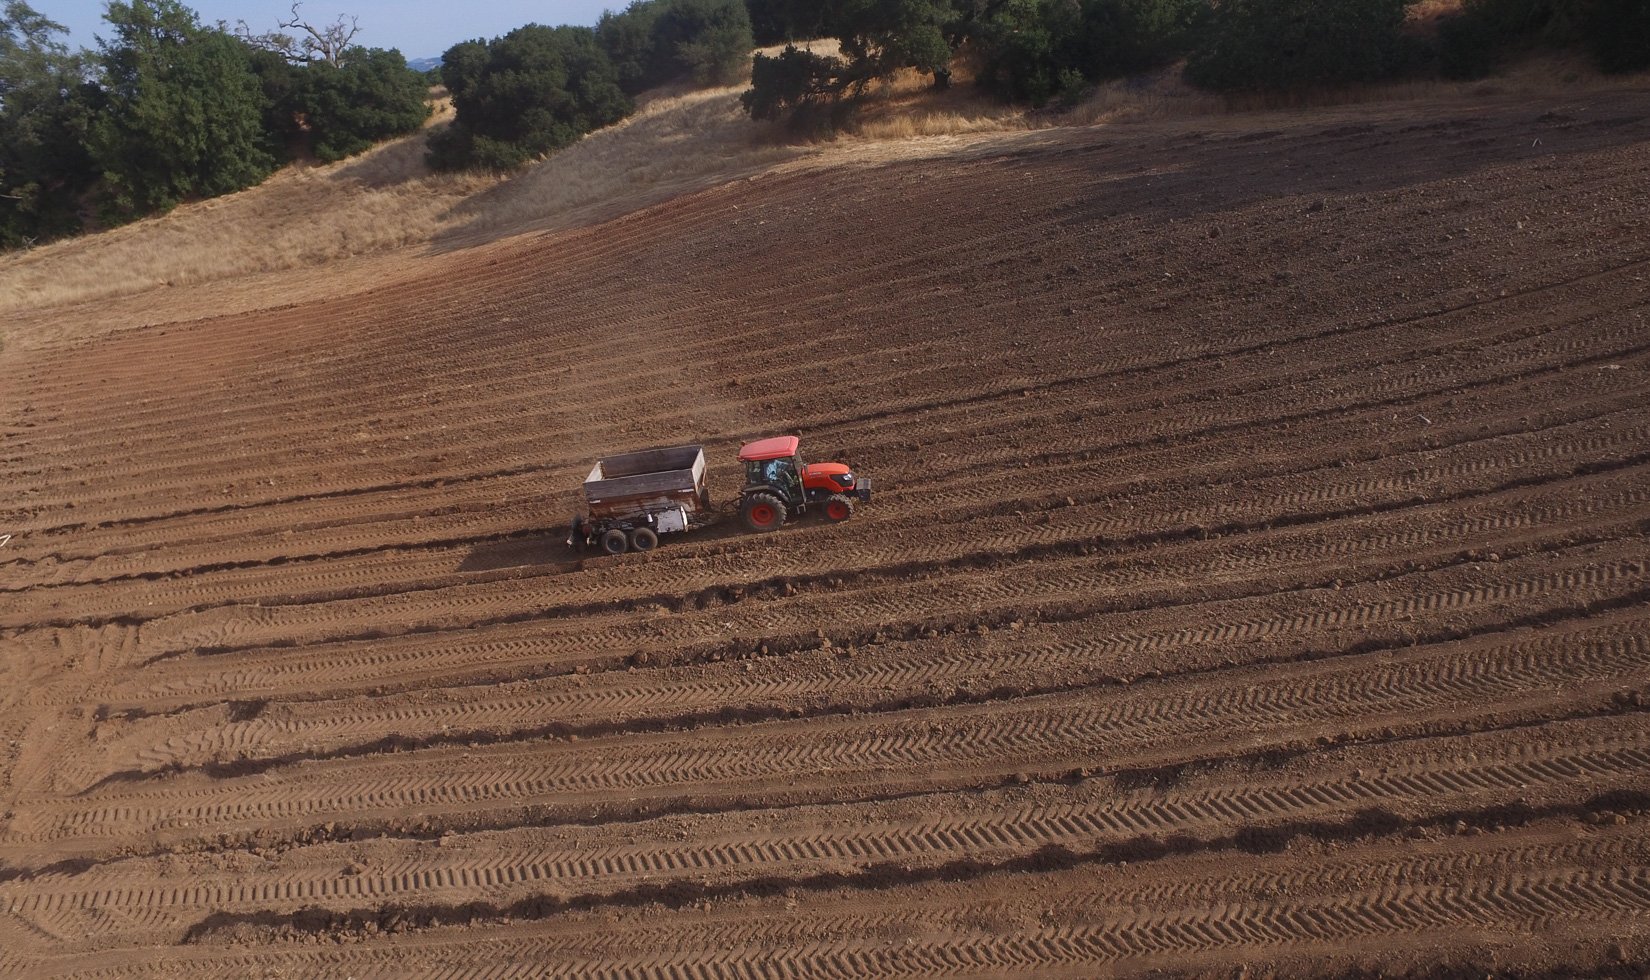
(773, 21)
(1485, 33)
(1618, 34)
(880, 37)
(539, 89)
(281, 83)
(794, 84)
(370, 95)
(185, 111)
(463, 64)
(708, 41)
(630, 39)
(1029, 48)
(1282, 44)
(45, 109)
(656, 41)
(1035, 50)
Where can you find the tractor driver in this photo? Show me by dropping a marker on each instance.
(781, 473)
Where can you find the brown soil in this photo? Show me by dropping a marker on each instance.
(1257, 581)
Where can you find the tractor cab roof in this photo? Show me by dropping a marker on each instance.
(779, 447)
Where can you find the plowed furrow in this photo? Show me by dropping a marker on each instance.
(1491, 777)
(1245, 572)
(1098, 922)
(1593, 439)
(865, 682)
(137, 482)
(882, 598)
(845, 756)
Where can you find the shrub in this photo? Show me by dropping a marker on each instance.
(796, 82)
(370, 97)
(1618, 35)
(1291, 44)
(184, 111)
(655, 41)
(45, 109)
(537, 89)
(707, 40)
(1615, 32)
(773, 21)
(1035, 50)
(1469, 46)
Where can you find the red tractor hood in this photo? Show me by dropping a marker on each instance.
(822, 476)
(819, 471)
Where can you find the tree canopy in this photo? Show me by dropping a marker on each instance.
(46, 106)
(169, 109)
(369, 96)
(185, 112)
(536, 89)
(656, 41)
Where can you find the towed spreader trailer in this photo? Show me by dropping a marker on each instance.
(632, 498)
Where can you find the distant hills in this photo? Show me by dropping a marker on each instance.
(424, 64)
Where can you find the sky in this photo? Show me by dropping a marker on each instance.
(419, 28)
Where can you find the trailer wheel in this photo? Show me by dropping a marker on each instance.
(644, 539)
(838, 508)
(614, 542)
(762, 512)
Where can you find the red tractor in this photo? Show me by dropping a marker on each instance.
(779, 485)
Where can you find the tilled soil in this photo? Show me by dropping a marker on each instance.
(1257, 580)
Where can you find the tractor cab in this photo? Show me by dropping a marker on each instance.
(778, 484)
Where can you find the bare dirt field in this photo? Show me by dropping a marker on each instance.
(1257, 580)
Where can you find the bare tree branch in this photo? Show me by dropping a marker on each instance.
(310, 42)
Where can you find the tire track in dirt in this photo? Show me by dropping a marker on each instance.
(1417, 472)
(1526, 884)
(938, 494)
(233, 630)
(1351, 457)
(127, 478)
(383, 489)
(1600, 761)
(346, 665)
(609, 701)
(849, 757)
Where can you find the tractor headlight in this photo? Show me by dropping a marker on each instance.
(846, 479)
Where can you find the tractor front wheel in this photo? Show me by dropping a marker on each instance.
(838, 508)
(762, 511)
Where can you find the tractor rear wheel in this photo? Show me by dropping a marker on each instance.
(644, 539)
(838, 508)
(614, 542)
(762, 511)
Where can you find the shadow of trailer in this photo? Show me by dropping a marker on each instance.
(632, 498)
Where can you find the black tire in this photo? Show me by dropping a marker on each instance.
(762, 511)
(615, 543)
(644, 539)
(838, 508)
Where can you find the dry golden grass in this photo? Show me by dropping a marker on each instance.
(302, 216)
(676, 142)
(388, 199)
